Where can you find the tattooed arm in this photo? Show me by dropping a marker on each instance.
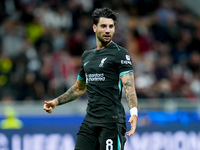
(129, 87)
(131, 97)
(73, 93)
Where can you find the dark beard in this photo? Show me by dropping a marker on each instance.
(103, 41)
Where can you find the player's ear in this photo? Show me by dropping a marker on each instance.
(94, 28)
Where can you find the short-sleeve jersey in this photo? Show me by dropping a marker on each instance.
(101, 69)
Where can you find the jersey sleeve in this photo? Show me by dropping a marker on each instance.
(124, 62)
(81, 75)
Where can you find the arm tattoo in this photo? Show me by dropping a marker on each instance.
(71, 94)
(129, 86)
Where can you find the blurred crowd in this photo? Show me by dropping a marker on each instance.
(41, 43)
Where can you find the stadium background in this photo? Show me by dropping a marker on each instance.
(41, 43)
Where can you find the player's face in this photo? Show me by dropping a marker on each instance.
(104, 30)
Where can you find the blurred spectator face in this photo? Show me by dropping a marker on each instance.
(104, 30)
(30, 78)
(164, 85)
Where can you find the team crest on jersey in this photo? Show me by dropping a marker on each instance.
(102, 62)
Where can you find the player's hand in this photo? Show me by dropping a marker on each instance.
(49, 106)
(133, 122)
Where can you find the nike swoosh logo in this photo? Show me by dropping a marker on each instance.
(86, 63)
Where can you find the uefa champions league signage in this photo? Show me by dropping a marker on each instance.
(179, 140)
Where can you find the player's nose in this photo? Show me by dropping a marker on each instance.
(107, 30)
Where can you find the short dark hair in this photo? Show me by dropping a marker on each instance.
(104, 12)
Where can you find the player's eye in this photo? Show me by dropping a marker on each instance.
(111, 26)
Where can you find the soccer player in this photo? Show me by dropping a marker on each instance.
(105, 69)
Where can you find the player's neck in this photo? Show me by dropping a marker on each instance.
(101, 45)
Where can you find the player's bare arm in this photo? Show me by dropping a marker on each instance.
(73, 93)
(129, 86)
(131, 97)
